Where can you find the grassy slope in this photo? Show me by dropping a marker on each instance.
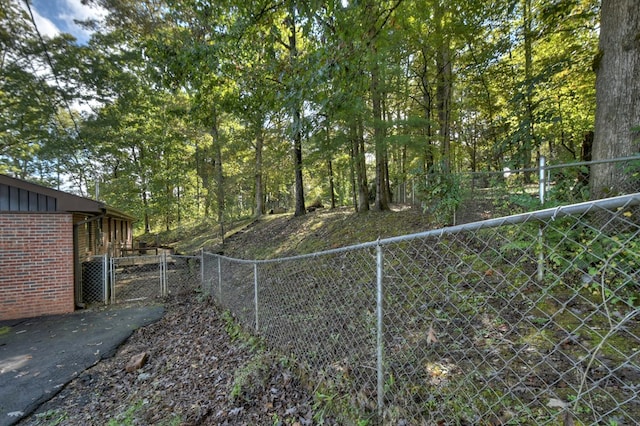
(284, 235)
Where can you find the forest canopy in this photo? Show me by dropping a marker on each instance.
(182, 109)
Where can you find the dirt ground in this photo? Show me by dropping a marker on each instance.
(199, 371)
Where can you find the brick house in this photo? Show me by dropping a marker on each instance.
(46, 236)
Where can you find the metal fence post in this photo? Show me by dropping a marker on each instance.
(105, 278)
(163, 282)
(202, 286)
(112, 281)
(219, 281)
(255, 292)
(380, 341)
(542, 189)
(542, 178)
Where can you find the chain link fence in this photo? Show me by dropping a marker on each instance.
(95, 280)
(152, 277)
(183, 274)
(446, 196)
(529, 319)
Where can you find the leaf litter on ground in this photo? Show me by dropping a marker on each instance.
(196, 374)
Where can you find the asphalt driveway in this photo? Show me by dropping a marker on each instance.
(39, 356)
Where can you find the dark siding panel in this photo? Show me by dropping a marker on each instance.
(24, 200)
(14, 200)
(20, 200)
(52, 204)
(4, 197)
(42, 203)
(33, 202)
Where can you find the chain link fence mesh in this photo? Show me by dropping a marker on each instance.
(322, 312)
(525, 319)
(183, 274)
(527, 323)
(95, 280)
(153, 277)
(446, 196)
(137, 278)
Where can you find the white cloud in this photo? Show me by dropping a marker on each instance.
(86, 11)
(71, 10)
(55, 16)
(46, 27)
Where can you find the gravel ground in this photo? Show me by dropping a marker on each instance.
(200, 371)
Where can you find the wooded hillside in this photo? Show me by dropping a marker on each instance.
(179, 110)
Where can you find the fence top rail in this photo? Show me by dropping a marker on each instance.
(552, 166)
(592, 162)
(540, 215)
(141, 257)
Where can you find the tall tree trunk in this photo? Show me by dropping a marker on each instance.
(205, 167)
(332, 191)
(167, 213)
(144, 186)
(259, 198)
(219, 176)
(352, 175)
(427, 105)
(297, 158)
(403, 173)
(179, 204)
(382, 198)
(220, 190)
(145, 203)
(443, 86)
(362, 186)
(617, 66)
(529, 142)
(296, 114)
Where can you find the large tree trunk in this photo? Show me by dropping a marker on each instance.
(357, 140)
(297, 159)
(443, 87)
(617, 68)
(382, 199)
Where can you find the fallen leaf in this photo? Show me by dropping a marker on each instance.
(503, 328)
(291, 411)
(431, 335)
(557, 403)
(235, 411)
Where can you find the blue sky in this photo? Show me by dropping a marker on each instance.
(55, 16)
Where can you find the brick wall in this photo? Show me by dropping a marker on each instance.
(36, 264)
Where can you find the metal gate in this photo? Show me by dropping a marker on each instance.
(152, 277)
